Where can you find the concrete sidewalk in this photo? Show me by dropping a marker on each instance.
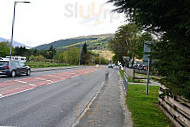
(108, 109)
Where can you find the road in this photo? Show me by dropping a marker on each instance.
(48, 99)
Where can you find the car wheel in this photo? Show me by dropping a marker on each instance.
(28, 72)
(13, 73)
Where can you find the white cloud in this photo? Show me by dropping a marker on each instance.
(44, 21)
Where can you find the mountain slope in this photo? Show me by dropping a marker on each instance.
(93, 42)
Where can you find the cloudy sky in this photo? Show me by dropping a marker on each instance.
(44, 21)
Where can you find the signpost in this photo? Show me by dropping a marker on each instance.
(148, 72)
(146, 61)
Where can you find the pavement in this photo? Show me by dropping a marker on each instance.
(108, 109)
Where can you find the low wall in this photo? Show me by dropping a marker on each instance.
(130, 72)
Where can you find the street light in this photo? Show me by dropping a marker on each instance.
(14, 22)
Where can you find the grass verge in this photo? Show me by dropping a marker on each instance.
(152, 77)
(145, 109)
(130, 80)
(45, 64)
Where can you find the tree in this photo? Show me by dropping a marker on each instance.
(35, 52)
(32, 58)
(127, 42)
(171, 20)
(84, 55)
(70, 56)
(20, 51)
(4, 49)
(40, 58)
(51, 52)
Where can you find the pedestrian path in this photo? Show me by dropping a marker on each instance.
(108, 109)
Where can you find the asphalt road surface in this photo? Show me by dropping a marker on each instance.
(48, 99)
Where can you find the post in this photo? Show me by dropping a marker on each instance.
(12, 28)
(148, 76)
(106, 75)
(13, 22)
(125, 82)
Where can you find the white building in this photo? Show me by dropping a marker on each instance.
(19, 58)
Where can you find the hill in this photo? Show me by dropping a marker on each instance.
(93, 42)
(104, 53)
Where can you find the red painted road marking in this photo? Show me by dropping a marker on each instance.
(8, 83)
(16, 90)
(16, 86)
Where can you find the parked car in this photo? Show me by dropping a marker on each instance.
(113, 65)
(110, 66)
(13, 68)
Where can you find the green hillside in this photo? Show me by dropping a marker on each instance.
(93, 42)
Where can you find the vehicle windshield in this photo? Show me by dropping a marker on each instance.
(3, 63)
(21, 64)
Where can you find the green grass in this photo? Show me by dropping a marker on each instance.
(136, 80)
(45, 64)
(152, 77)
(122, 73)
(145, 109)
(130, 80)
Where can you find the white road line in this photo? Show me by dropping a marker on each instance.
(26, 83)
(71, 73)
(55, 76)
(16, 93)
(21, 81)
(44, 79)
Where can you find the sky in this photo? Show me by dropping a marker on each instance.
(45, 21)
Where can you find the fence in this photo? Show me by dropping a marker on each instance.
(177, 109)
(130, 72)
(125, 82)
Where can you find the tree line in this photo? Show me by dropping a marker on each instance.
(170, 22)
(71, 55)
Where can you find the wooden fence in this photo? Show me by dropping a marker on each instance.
(176, 108)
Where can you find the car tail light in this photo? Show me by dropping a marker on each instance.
(7, 67)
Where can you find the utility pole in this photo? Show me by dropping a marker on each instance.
(148, 72)
(13, 22)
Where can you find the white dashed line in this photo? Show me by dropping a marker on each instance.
(55, 76)
(26, 83)
(44, 79)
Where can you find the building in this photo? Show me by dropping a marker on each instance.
(19, 58)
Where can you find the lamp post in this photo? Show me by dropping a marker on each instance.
(14, 22)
